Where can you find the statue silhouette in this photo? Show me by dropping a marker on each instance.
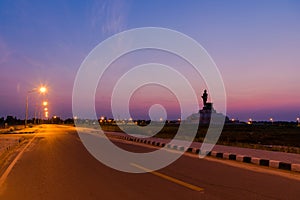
(204, 97)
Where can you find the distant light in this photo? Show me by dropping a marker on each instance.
(271, 119)
(249, 121)
(232, 119)
(298, 119)
(45, 103)
(161, 119)
(45, 109)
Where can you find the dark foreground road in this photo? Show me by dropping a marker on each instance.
(57, 166)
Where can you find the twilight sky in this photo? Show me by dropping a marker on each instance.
(255, 44)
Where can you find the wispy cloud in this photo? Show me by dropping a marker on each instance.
(110, 16)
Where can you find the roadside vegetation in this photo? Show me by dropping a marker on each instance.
(277, 136)
(285, 138)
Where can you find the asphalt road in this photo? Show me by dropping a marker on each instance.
(55, 165)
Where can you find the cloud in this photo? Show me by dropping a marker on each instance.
(109, 16)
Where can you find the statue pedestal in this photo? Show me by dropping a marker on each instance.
(206, 112)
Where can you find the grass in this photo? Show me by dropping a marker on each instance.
(284, 138)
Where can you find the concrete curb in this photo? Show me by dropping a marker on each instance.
(221, 155)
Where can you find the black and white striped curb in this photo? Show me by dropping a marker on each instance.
(221, 155)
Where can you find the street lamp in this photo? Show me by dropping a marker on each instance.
(42, 90)
(271, 119)
(45, 104)
(298, 120)
(250, 121)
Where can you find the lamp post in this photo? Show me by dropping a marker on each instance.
(42, 90)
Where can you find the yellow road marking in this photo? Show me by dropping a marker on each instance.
(169, 178)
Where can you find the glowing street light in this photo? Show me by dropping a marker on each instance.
(42, 90)
(271, 120)
(102, 118)
(250, 121)
(298, 119)
(45, 103)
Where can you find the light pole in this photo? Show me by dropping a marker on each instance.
(42, 90)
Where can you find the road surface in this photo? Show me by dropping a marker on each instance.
(55, 165)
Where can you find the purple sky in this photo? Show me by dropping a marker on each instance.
(255, 45)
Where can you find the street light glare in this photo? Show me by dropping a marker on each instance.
(43, 89)
(45, 103)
